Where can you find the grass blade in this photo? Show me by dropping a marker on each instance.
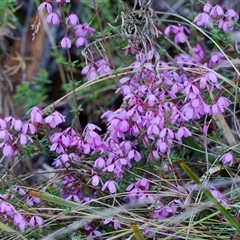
(208, 194)
(137, 232)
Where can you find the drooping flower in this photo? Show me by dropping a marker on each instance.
(216, 11)
(36, 115)
(29, 127)
(207, 7)
(203, 20)
(19, 190)
(9, 150)
(227, 158)
(55, 119)
(111, 185)
(181, 33)
(72, 19)
(47, 5)
(53, 18)
(20, 221)
(30, 201)
(232, 15)
(66, 43)
(18, 125)
(7, 208)
(36, 220)
(217, 194)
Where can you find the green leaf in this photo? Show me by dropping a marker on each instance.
(208, 194)
(54, 199)
(6, 228)
(137, 234)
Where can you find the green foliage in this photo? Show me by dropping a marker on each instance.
(6, 13)
(33, 93)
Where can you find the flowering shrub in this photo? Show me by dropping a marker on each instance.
(165, 105)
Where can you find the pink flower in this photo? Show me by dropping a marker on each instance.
(30, 201)
(167, 210)
(133, 154)
(226, 25)
(55, 119)
(5, 135)
(231, 15)
(198, 50)
(53, 18)
(19, 221)
(3, 123)
(215, 58)
(36, 220)
(203, 20)
(116, 223)
(216, 11)
(90, 71)
(111, 185)
(36, 115)
(66, 43)
(103, 67)
(72, 19)
(96, 180)
(81, 41)
(7, 208)
(139, 190)
(19, 190)
(93, 233)
(47, 5)
(166, 132)
(24, 138)
(18, 125)
(74, 198)
(182, 132)
(216, 194)
(9, 150)
(99, 163)
(83, 30)
(207, 7)
(218, 107)
(65, 160)
(184, 60)
(227, 158)
(180, 33)
(29, 127)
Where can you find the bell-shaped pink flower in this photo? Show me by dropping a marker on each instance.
(227, 158)
(47, 5)
(66, 43)
(53, 18)
(72, 19)
(36, 220)
(111, 185)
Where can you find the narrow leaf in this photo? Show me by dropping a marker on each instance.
(137, 232)
(54, 199)
(218, 205)
(6, 228)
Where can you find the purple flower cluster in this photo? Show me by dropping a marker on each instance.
(180, 32)
(152, 116)
(15, 134)
(80, 31)
(98, 68)
(159, 102)
(11, 213)
(215, 15)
